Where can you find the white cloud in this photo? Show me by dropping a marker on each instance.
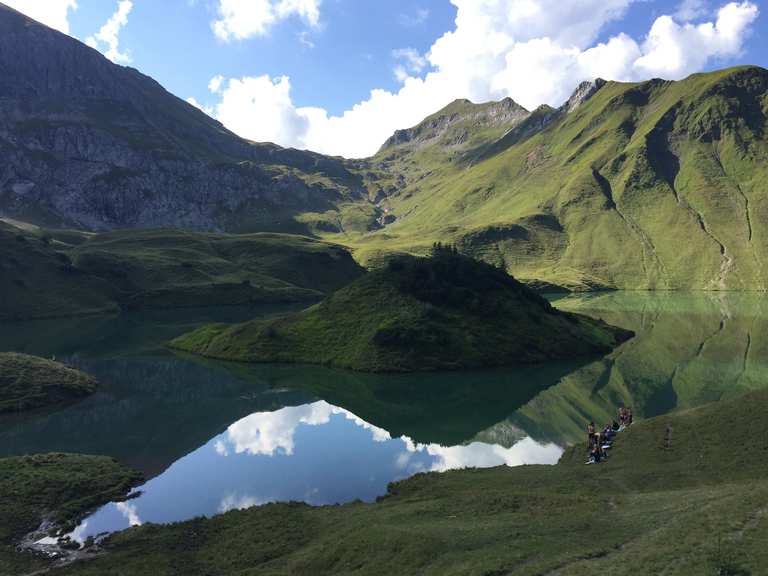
(482, 455)
(419, 16)
(534, 51)
(262, 110)
(691, 10)
(241, 19)
(235, 502)
(270, 433)
(128, 509)
(207, 109)
(107, 40)
(411, 63)
(305, 39)
(215, 84)
(674, 50)
(52, 13)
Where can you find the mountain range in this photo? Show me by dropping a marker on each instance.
(649, 185)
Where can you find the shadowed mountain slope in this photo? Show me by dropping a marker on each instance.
(56, 273)
(91, 144)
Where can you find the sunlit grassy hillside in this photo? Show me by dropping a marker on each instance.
(656, 184)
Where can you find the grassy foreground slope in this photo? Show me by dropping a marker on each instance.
(28, 382)
(444, 312)
(654, 184)
(49, 273)
(679, 496)
(57, 488)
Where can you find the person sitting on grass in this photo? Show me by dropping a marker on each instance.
(591, 433)
(608, 434)
(622, 418)
(596, 454)
(595, 451)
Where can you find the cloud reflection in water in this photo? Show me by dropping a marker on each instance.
(316, 453)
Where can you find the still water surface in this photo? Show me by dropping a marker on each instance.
(212, 437)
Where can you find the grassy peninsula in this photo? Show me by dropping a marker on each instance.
(28, 382)
(446, 312)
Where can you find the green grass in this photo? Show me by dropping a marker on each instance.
(682, 494)
(443, 313)
(48, 273)
(652, 185)
(60, 488)
(28, 382)
(37, 280)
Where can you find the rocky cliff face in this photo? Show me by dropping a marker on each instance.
(459, 122)
(86, 143)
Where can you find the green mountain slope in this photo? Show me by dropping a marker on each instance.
(444, 312)
(648, 185)
(37, 280)
(50, 273)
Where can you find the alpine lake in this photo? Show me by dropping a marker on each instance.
(212, 436)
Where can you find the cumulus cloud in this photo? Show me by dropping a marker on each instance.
(262, 110)
(52, 13)
(215, 84)
(534, 51)
(241, 19)
(411, 63)
(128, 509)
(674, 50)
(482, 455)
(207, 109)
(236, 502)
(691, 10)
(107, 39)
(271, 433)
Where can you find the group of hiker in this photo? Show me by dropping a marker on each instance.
(599, 441)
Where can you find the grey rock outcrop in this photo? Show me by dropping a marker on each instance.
(453, 124)
(583, 92)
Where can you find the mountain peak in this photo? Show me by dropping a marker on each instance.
(452, 125)
(583, 92)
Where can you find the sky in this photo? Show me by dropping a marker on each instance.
(340, 76)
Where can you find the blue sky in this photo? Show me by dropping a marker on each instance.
(351, 53)
(301, 72)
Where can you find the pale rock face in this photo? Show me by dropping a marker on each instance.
(583, 92)
(505, 113)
